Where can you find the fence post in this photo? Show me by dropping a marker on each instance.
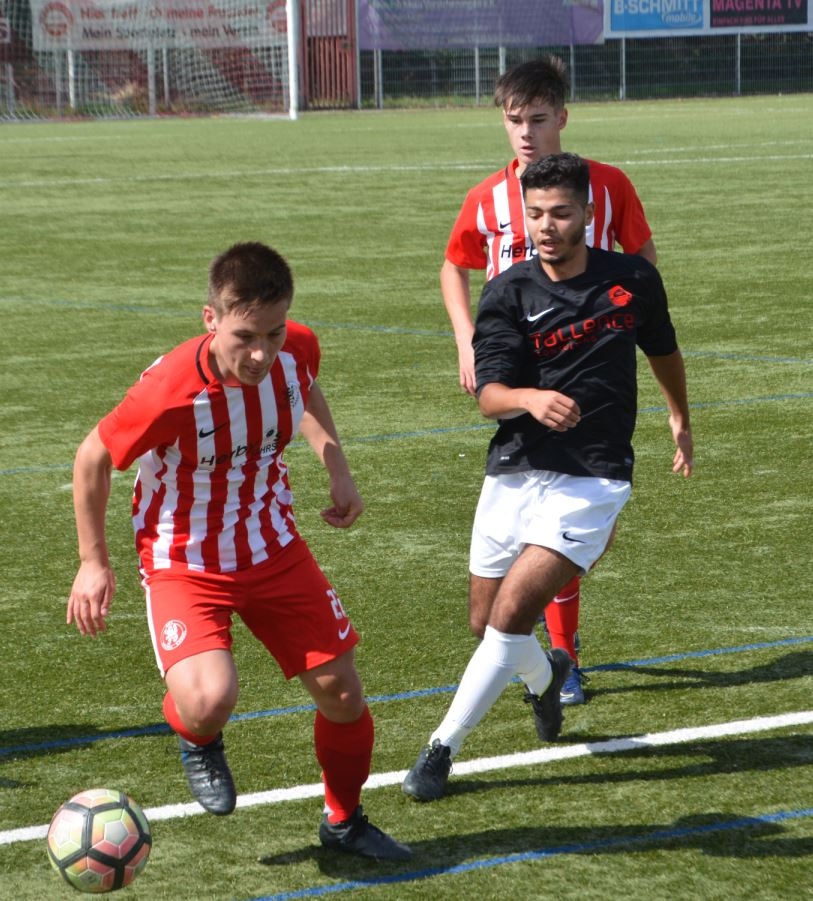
(10, 89)
(572, 73)
(378, 79)
(357, 52)
(165, 72)
(71, 80)
(57, 60)
(738, 65)
(622, 85)
(152, 107)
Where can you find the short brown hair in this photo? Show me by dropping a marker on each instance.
(248, 275)
(539, 79)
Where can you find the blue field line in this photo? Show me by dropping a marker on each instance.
(163, 728)
(450, 430)
(689, 655)
(445, 334)
(656, 837)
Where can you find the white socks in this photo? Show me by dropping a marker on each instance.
(498, 658)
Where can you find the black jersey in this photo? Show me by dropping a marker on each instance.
(577, 337)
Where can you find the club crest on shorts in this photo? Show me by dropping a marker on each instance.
(173, 634)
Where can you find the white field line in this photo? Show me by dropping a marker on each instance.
(283, 171)
(482, 765)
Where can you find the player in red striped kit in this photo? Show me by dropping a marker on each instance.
(215, 533)
(490, 233)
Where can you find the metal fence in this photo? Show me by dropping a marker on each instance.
(133, 83)
(720, 65)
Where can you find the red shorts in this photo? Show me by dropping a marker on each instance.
(286, 602)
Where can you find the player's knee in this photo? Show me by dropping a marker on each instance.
(339, 696)
(207, 712)
(477, 625)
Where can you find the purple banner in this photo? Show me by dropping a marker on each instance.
(455, 24)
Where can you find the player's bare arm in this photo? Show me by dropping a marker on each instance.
(648, 252)
(552, 408)
(95, 582)
(670, 373)
(319, 430)
(455, 288)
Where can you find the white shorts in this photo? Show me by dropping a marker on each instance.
(573, 515)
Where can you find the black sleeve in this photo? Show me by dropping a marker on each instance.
(656, 334)
(498, 342)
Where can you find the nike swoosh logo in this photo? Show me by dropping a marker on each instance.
(204, 433)
(571, 538)
(343, 633)
(538, 315)
(504, 225)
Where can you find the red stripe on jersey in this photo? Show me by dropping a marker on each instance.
(280, 383)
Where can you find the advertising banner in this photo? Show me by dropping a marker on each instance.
(129, 25)
(457, 24)
(662, 18)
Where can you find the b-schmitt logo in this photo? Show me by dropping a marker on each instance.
(56, 19)
(676, 13)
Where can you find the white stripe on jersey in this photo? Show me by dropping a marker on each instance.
(604, 241)
(238, 426)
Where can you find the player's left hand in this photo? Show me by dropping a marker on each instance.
(347, 504)
(683, 461)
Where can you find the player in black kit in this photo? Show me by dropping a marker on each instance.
(555, 363)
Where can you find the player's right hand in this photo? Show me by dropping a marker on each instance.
(555, 410)
(89, 601)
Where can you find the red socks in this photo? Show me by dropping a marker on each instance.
(344, 751)
(562, 618)
(174, 719)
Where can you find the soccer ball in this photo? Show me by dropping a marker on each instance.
(99, 841)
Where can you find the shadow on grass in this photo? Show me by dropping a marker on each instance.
(791, 666)
(52, 739)
(717, 834)
(702, 758)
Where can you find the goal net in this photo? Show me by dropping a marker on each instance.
(137, 57)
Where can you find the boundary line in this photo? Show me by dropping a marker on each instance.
(468, 767)
(26, 184)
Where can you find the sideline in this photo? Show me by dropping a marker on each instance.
(467, 767)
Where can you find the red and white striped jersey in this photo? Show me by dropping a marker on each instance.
(212, 492)
(490, 231)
